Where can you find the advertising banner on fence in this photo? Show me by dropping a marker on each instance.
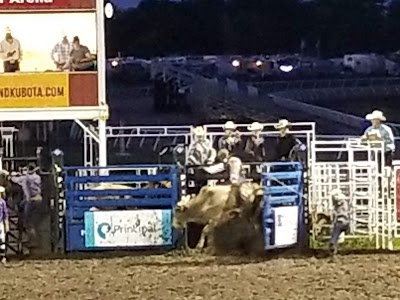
(34, 90)
(286, 225)
(136, 228)
(46, 4)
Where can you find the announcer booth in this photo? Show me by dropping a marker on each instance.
(36, 84)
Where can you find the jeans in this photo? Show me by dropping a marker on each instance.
(338, 228)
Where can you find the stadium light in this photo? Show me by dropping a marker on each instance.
(259, 63)
(114, 63)
(109, 10)
(286, 68)
(236, 63)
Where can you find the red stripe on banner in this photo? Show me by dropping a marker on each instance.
(32, 5)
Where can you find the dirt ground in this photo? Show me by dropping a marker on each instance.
(204, 277)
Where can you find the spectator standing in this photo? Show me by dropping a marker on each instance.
(4, 225)
(231, 141)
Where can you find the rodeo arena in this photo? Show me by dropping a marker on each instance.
(299, 200)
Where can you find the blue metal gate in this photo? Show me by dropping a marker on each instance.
(283, 215)
(120, 207)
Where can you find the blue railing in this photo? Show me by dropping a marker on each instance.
(283, 214)
(131, 207)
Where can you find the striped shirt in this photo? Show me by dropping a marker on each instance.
(386, 134)
(200, 153)
(3, 210)
(61, 52)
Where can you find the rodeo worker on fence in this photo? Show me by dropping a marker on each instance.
(287, 144)
(341, 218)
(254, 148)
(231, 141)
(4, 225)
(201, 151)
(379, 131)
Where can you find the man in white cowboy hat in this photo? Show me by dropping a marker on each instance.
(10, 52)
(4, 225)
(287, 143)
(200, 150)
(255, 143)
(231, 141)
(341, 218)
(379, 131)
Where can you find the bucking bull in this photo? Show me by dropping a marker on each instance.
(219, 208)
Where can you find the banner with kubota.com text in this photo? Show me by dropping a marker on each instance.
(32, 90)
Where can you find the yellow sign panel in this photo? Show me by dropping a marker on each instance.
(30, 90)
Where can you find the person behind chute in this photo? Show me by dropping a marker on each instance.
(255, 148)
(288, 146)
(380, 132)
(200, 151)
(231, 141)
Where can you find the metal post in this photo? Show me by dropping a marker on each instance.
(102, 144)
(101, 70)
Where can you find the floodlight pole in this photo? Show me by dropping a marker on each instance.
(101, 71)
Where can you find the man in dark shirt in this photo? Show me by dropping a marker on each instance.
(80, 57)
(231, 141)
(255, 143)
(286, 142)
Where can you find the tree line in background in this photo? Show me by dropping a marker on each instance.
(335, 27)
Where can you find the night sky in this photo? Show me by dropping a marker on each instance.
(126, 3)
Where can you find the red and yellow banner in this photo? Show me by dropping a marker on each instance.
(34, 90)
(8, 5)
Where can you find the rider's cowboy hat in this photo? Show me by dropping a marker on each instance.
(283, 123)
(255, 127)
(338, 195)
(7, 30)
(229, 126)
(199, 131)
(376, 115)
(2, 189)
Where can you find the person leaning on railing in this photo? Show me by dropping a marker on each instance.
(287, 144)
(378, 131)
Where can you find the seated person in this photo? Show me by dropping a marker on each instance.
(200, 151)
(80, 57)
(255, 148)
(287, 143)
(231, 141)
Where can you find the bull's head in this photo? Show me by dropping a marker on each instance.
(179, 220)
(251, 191)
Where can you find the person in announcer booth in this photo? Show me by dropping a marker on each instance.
(10, 52)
